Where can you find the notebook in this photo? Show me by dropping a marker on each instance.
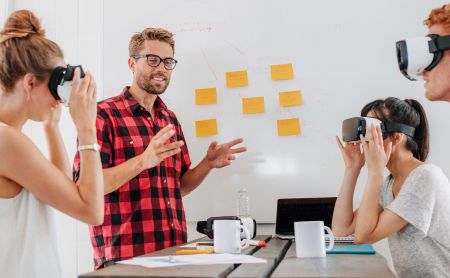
(353, 249)
(304, 209)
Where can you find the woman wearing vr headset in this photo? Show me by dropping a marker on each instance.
(411, 206)
(30, 183)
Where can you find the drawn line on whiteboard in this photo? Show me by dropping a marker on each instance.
(209, 65)
(235, 48)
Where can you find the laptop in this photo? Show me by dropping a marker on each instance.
(304, 209)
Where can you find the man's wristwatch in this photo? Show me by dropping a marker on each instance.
(93, 147)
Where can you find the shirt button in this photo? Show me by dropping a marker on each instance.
(149, 118)
(165, 181)
(168, 203)
(131, 142)
(171, 224)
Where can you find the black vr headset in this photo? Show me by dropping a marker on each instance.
(414, 55)
(353, 127)
(207, 227)
(60, 83)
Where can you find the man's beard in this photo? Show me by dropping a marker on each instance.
(145, 84)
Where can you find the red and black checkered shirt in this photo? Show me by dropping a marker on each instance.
(145, 214)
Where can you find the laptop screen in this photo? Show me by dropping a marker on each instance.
(302, 209)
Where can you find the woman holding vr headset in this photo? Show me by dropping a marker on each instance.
(34, 81)
(29, 182)
(411, 206)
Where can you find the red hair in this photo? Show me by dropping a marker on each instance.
(439, 16)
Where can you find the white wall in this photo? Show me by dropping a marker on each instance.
(4, 10)
(342, 59)
(77, 26)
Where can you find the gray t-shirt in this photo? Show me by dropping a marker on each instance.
(422, 247)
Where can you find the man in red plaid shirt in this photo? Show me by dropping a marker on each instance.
(146, 162)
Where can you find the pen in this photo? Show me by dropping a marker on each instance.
(205, 243)
(257, 243)
(193, 251)
(208, 245)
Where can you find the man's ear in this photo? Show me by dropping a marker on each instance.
(132, 64)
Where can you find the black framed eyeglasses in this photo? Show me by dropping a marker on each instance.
(154, 61)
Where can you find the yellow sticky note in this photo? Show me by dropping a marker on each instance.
(288, 127)
(253, 105)
(281, 72)
(237, 79)
(291, 98)
(205, 96)
(205, 128)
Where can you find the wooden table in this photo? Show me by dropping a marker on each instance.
(281, 262)
(333, 265)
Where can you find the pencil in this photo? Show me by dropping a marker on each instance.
(193, 251)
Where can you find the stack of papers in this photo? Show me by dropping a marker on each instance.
(198, 259)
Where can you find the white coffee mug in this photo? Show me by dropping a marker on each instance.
(310, 239)
(227, 236)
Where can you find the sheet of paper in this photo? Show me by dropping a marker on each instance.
(291, 98)
(237, 79)
(206, 128)
(288, 127)
(190, 245)
(281, 72)
(253, 105)
(205, 96)
(199, 259)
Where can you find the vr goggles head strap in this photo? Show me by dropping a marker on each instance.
(437, 45)
(391, 127)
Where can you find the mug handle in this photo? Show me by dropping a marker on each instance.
(247, 237)
(331, 237)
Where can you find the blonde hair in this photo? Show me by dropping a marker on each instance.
(439, 16)
(24, 49)
(158, 34)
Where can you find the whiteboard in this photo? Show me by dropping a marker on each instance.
(343, 56)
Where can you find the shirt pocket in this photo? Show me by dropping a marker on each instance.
(128, 147)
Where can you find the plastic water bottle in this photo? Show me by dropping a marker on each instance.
(243, 205)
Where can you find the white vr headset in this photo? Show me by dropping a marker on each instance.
(352, 128)
(60, 82)
(414, 55)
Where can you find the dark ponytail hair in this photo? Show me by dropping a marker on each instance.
(409, 112)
